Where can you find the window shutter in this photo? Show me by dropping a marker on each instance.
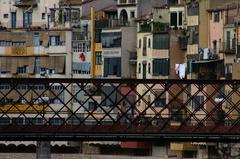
(106, 69)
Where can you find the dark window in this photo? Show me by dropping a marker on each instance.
(22, 70)
(56, 121)
(111, 40)
(193, 9)
(193, 35)
(98, 35)
(4, 121)
(43, 15)
(98, 58)
(180, 18)
(149, 43)
(144, 46)
(139, 43)
(216, 16)
(160, 41)
(161, 67)
(109, 96)
(139, 68)
(54, 40)
(132, 14)
(215, 45)
(173, 19)
(149, 68)
(27, 19)
(160, 99)
(91, 105)
(5, 16)
(112, 66)
(197, 102)
(17, 121)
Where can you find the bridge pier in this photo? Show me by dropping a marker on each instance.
(43, 150)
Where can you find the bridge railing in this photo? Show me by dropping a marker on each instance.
(72, 108)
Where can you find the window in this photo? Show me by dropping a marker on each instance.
(43, 16)
(80, 47)
(81, 67)
(36, 39)
(54, 40)
(132, 14)
(228, 71)
(56, 121)
(17, 121)
(109, 96)
(22, 70)
(98, 58)
(139, 43)
(5, 16)
(34, 121)
(197, 103)
(149, 43)
(27, 19)
(161, 67)
(139, 68)
(149, 68)
(215, 45)
(160, 41)
(193, 9)
(111, 39)
(91, 105)
(173, 21)
(160, 99)
(4, 121)
(112, 66)
(216, 17)
(193, 35)
(145, 46)
(180, 18)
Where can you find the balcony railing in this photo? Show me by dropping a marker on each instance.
(111, 23)
(229, 47)
(154, 27)
(126, 2)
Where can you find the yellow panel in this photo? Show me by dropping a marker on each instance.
(98, 47)
(21, 108)
(20, 51)
(183, 147)
(98, 70)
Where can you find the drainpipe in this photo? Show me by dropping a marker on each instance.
(93, 62)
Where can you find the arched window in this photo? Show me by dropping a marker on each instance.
(149, 68)
(139, 68)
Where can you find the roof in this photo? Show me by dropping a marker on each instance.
(224, 6)
(74, 2)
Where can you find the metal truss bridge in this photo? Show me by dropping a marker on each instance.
(119, 109)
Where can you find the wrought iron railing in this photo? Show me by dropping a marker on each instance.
(118, 109)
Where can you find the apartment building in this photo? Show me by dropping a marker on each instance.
(25, 13)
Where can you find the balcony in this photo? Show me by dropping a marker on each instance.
(127, 2)
(228, 47)
(111, 23)
(25, 3)
(155, 27)
(56, 49)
